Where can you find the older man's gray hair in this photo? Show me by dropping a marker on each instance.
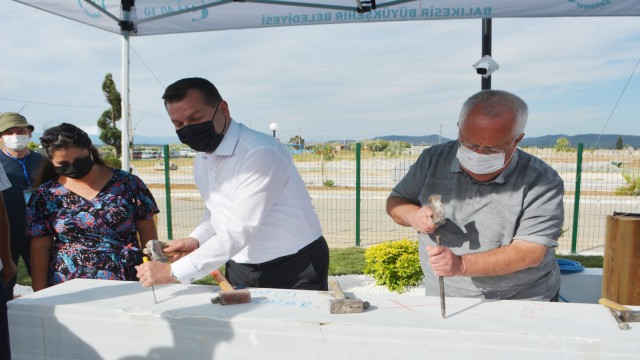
(493, 103)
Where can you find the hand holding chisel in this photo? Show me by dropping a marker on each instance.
(153, 248)
(145, 259)
(438, 218)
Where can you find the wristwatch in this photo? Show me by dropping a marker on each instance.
(175, 278)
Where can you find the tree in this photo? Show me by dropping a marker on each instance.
(326, 154)
(297, 141)
(376, 145)
(563, 145)
(619, 143)
(108, 156)
(395, 148)
(33, 146)
(109, 132)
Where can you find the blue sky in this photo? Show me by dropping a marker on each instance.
(353, 81)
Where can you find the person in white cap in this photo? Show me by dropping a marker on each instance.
(20, 164)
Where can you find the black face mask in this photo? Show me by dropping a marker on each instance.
(202, 136)
(78, 169)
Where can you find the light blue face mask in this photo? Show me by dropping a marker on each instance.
(480, 164)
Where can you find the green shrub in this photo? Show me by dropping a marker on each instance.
(394, 264)
(111, 160)
(632, 187)
(329, 183)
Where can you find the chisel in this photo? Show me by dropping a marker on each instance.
(443, 308)
(438, 218)
(145, 258)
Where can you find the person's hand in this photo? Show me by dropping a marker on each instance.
(180, 247)
(422, 220)
(9, 270)
(154, 273)
(444, 262)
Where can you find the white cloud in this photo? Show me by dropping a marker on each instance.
(90, 129)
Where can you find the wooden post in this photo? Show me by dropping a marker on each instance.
(621, 269)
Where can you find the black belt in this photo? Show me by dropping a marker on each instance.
(283, 259)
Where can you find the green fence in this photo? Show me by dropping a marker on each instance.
(349, 189)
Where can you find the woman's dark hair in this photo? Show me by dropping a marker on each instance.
(59, 137)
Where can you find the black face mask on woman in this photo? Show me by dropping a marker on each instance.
(202, 136)
(78, 169)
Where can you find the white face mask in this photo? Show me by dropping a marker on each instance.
(480, 164)
(16, 142)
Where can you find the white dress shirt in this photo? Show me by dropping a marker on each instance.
(257, 205)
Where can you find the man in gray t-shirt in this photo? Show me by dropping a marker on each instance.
(503, 207)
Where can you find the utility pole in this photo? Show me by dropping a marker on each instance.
(485, 83)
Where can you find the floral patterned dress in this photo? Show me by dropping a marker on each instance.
(92, 239)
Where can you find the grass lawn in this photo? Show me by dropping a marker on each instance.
(23, 276)
(345, 261)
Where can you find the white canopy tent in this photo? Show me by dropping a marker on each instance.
(153, 17)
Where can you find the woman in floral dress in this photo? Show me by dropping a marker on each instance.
(85, 218)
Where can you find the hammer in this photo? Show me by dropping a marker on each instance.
(153, 248)
(438, 218)
(228, 295)
(340, 304)
(626, 314)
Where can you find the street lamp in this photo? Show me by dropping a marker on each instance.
(273, 127)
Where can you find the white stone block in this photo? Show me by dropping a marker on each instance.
(93, 319)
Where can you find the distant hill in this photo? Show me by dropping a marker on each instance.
(138, 139)
(589, 140)
(414, 140)
(160, 140)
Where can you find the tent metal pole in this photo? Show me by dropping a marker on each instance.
(485, 83)
(126, 115)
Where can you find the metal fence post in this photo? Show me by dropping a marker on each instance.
(358, 147)
(167, 191)
(576, 200)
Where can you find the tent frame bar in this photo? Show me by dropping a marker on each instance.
(105, 12)
(183, 11)
(371, 5)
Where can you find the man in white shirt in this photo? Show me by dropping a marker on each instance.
(259, 219)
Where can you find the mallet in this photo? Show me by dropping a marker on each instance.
(340, 304)
(228, 295)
